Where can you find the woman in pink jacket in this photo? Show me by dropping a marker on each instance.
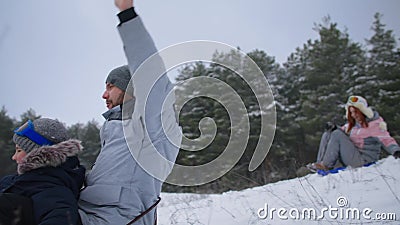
(358, 142)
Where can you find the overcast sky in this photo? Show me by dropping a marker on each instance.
(55, 55)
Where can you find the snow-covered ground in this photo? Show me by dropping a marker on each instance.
(354, 196)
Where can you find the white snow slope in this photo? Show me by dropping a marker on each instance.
(367, 195)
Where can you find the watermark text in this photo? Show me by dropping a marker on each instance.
(341, 212)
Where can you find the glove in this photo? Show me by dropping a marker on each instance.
(396, 155)
(329, 126)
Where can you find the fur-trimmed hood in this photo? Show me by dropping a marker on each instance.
(53, 155)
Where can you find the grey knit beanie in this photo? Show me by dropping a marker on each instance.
(50, 129)
(119, 77)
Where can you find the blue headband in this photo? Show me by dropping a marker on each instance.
(28, 130)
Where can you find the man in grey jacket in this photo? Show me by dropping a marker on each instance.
(140, 137)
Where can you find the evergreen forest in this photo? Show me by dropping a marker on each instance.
(309, 89)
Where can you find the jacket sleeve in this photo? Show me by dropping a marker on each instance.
(391, 149)
(6, 182)
(151, 85)
(389, 144)
(55, 206)
(154, 101)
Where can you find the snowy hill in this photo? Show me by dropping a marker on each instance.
(368, 195)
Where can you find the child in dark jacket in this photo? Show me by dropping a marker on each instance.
(49, 173)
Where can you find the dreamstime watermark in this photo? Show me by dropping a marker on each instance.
(151, 73)
(341, 212)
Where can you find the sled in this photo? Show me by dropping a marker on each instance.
(336, 170)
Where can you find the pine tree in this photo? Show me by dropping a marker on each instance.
(382, 89)
(30, 114)
(323, 73)
(7, 147)
(239, 76)
(89, 135)
(291, 83)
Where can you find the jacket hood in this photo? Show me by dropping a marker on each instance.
(53, 155)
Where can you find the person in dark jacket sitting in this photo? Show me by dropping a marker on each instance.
(49, 174)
